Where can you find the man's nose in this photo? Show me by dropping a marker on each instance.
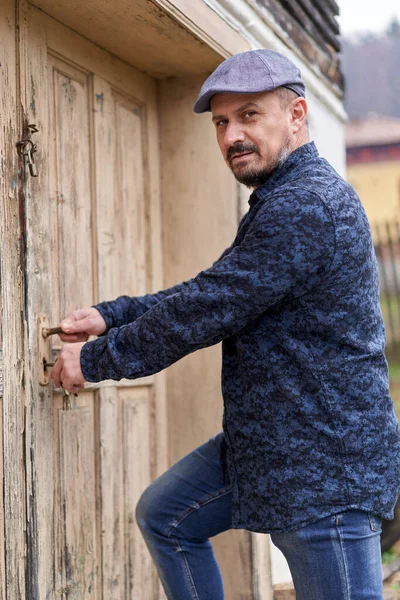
(233, 134)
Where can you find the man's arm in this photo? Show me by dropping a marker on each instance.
(126, 309)
(287, 248)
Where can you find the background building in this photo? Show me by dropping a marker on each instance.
(373, 165)
(132, 196)
(373, 168)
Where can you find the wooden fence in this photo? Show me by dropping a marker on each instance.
(386, 238)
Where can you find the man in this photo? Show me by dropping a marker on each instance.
(310, 449)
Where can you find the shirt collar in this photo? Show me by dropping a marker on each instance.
(296, 159)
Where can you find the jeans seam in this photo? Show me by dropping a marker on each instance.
(346, 567)
(223, 492)
(187, 568)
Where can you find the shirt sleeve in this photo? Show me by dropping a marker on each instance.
(288, 246)
(126, 309)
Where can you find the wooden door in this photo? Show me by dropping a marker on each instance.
(93, 233)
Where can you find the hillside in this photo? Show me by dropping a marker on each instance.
(372, 74)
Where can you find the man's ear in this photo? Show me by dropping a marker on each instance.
(299, 110)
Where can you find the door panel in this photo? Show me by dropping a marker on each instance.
(76, 542)
(95, 207)
(70, 185)
(120, 192)
(78, 561)
(136, 458)
(121, 232)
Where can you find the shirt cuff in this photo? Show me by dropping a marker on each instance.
(90, 359)
(101, 359)
(106, 312)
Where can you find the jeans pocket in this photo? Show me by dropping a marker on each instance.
(375, 522)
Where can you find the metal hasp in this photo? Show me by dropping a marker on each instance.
(43, 350)
(27, 148)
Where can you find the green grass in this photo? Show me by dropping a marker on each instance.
(390, 306)
(394, 371)
(389, 556)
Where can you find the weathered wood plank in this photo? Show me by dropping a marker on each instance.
(73, 287)
(112, 499)
(12, 241)
(331, 4)
(105, 206)
(80, 568)
(296, 12)
(284, 591)
(139, 580)
(176, 51)
(304, 35)
(2, 524)
(131, 196)
(327, 15)
(122, 238)
(71, 99)
(261, 561)
(314, 21)
(107, 283)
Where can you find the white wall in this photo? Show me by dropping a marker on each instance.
(328, 133)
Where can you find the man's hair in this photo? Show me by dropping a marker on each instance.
(285, 96)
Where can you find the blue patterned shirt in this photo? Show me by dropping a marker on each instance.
(310, 428)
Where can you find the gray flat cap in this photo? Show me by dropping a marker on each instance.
(249, 72)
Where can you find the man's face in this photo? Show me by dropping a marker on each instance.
(254, 133)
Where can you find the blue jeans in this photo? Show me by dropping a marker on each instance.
(335, 558)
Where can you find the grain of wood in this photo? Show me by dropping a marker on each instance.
(64, 257)
(111, 475)
(12, 480)
(161, 46)
(40, 453)
(302, 34)
(261, 561)
(120, 142)
(77, 541)
(139, 581)
(73, 486)
(284, 591)
(80, 567)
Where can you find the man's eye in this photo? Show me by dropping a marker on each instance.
(249, 113)
(221, 123)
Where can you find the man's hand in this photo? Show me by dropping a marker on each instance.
(79, 324)
(67, 370)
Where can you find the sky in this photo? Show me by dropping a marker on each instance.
(358, 16)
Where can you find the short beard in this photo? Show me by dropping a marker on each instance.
(254, 178)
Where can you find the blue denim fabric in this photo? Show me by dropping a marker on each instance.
(309, 424)
(335, 558)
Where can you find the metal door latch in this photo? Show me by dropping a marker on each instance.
(44, 350)
(27, 148)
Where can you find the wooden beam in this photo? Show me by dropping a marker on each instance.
(12, 236)
(322, 17)
(320, 56)
(310, 19)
